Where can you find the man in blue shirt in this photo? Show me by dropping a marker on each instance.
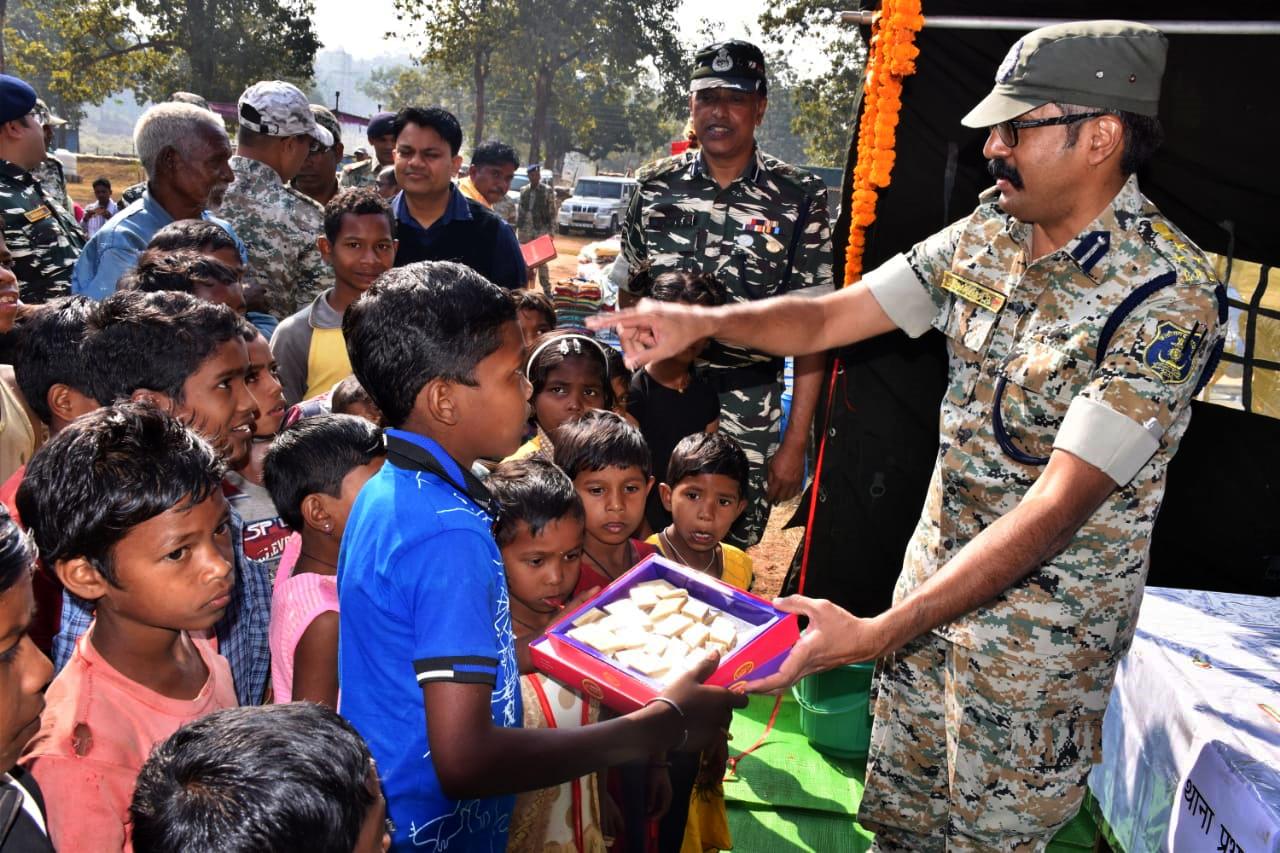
(436, 221)
(184, 150)
(426, 657)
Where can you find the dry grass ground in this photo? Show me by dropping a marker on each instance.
(122, 173)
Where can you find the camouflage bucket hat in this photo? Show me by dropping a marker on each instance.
(1108, 65)
(276, 108)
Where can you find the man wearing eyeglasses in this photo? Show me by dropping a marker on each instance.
(1080, 322)
(318, 177)
(277, 223)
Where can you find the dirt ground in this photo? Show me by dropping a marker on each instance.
(120, 172)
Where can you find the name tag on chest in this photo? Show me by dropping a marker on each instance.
(41, 212)
(972, 291)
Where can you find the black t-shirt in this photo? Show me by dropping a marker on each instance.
(666, 416)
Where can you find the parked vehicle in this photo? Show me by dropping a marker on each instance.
(597, 205)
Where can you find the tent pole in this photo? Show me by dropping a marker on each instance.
(964, 22)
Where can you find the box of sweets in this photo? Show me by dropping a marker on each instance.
(652, 624)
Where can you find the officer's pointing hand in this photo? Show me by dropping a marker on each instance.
(833, 638)
(653, 330)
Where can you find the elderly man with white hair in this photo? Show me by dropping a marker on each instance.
(185, 152)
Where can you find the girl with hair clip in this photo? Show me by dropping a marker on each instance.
(569, 372)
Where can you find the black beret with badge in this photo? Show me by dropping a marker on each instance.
(733, 64)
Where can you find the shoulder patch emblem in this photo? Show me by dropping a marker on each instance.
(1170, 355)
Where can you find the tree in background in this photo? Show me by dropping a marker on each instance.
(825, 104)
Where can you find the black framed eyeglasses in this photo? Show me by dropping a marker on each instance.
(1008, 130)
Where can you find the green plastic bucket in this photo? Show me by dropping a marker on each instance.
(835, 710)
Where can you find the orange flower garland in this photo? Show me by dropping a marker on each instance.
(893, 57)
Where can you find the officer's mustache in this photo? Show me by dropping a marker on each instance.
(1000, 169)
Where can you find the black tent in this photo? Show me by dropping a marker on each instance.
(1215, 177)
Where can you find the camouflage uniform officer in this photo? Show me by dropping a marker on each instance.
(764, 231)
(278, 224)
(364, 173)
(537, 215)
(50, 173)
(43, 238)
(1080, 324)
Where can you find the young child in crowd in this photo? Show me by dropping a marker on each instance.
(350, 398)
(668, 399)
(359, 243)
(705, 492)
(539, 532)
(185, 271)
(246, 780)
(428, 662)
(265, 532)
(126, 508)
(314, 471)
(187, 358)
(569, 372)
(620, 381)
(608, 462)
(26, 673)
(536, 314)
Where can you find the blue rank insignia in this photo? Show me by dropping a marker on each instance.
(1170, 355)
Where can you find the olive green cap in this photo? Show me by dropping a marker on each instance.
(1108, 65)
(733, 64)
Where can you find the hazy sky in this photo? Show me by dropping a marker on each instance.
(362, 32)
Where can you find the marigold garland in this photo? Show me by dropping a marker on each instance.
(892, 57)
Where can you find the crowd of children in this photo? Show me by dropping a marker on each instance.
(373, 511)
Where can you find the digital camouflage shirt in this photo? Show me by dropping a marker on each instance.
(279, 226)
(363, 173)
(1034, 326)
(54, 181)
(764, 235)
(537, 215)
(42, 237)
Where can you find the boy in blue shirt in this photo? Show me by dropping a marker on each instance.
(428, 665)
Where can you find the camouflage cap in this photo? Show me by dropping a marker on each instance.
(47, 116)
(731, 64)
(328, 121)
(277, 108)
(189, 98)
(17, 98)
(1109, 65)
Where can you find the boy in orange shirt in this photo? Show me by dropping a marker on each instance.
(127, 509)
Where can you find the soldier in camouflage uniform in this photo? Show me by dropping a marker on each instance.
(763, 230)
(537, 216)
(50, 173)
(1080, 324)
(364, 173)
(278, 224)
(43, 238)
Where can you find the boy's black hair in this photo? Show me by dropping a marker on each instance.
(49, 351)
(198, 235)
(357, 201)
(159, 270)
(494, 153)
(438, 119)
(618, 366)
(427, 320)
(102, 182)
(598, 440)
(244, 780)
(707, 453)
(312, 456)
(347, 393)
(558, 346)
(533, 491)
(17, 551)
(535, 300)
(153, 341)
(108, 472)
(248, 332)
(689, 288)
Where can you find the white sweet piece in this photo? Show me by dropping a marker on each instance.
(713, 646)
(696, 610)
(673, 625)
(593, 615)
(657, 645)
(646, 664)
(632, 637)
(664, 608)
(724, 632)
(623, 606)
(695, 635)
(644, 597)
(597, 638)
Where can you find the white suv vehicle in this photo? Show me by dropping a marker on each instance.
(598, 204)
